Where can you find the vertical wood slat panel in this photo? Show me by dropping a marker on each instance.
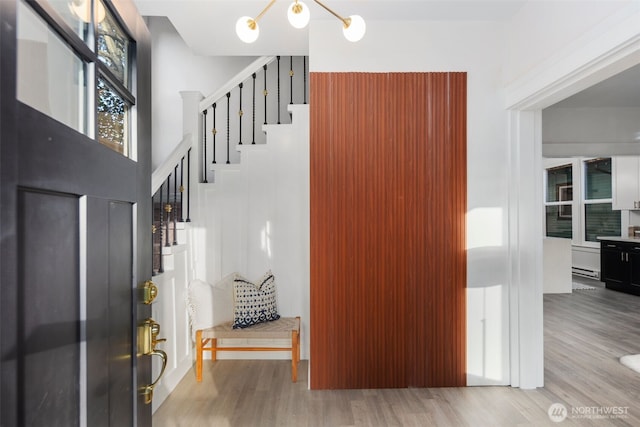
(388, 206)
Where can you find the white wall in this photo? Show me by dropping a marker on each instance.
(559, 48)
(478, 49)
(552, 52)
(543, 29)
(590, 131)
(174, 69)
(257, 218)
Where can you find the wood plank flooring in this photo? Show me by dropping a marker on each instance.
(585, 334)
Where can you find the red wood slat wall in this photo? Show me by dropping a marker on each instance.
(388, 246)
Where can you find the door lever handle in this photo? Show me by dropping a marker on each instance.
(148, 339)
(148, 389)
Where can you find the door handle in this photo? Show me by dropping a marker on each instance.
(148, 333)
(148, 389)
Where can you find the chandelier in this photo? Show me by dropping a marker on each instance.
(248, 30)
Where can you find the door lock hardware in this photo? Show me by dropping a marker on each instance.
(149, 292)
(148, 339)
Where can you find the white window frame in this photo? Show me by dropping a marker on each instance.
(577, 189)
(584, 202)
(578, 221)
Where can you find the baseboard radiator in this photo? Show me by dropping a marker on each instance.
(586, 272)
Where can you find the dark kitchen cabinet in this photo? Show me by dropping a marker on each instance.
(620, 265)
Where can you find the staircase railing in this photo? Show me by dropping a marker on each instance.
(268, 75)
(171, 192)
(170, 183)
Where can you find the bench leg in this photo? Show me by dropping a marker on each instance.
(214, 349)
(199, 355)
(295, 355)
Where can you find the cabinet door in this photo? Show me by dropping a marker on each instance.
(626, 182)
(615, 269)
(634, 266)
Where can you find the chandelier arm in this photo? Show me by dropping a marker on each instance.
(257, 18)
(345, 21)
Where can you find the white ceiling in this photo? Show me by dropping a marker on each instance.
(208, 26)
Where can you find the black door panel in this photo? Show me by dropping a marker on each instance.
(76, 242)
(49, 315)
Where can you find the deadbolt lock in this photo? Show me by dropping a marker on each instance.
(149, 292)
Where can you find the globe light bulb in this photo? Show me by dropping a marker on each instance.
(298, 14)
(356, 29)
(81, 9)
(247, 29)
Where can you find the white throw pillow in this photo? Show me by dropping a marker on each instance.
(223, 299)
(200, 305)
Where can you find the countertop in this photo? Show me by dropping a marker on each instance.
(620, 239)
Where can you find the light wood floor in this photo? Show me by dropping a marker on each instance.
(585, 334)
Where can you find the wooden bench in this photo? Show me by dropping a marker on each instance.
(283, 328)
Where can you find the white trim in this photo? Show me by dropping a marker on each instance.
(525, 250)
(599, 55)
(617, 41)
(160, 175)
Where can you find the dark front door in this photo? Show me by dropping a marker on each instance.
(75, 217)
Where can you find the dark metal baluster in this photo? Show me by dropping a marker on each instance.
(188, 184)
(204, 133)
(167, 209)
(304, 77)
(240, 113)
(278, 58)
(175, 204)
(291, 79)
(182, 189)
(265, 92)
(214, 131)
(228, 131)
(253, 118)
(161, 270)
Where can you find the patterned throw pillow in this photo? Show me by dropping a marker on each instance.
(254, 302)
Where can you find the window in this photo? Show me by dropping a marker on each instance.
(62, 87)
(51, 77)
(578, 200)
(559, 202)
(114, 98)
(599, 219)
(113, 118)
(113, 48)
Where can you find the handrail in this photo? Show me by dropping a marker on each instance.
(161, 173)
(235, 81)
